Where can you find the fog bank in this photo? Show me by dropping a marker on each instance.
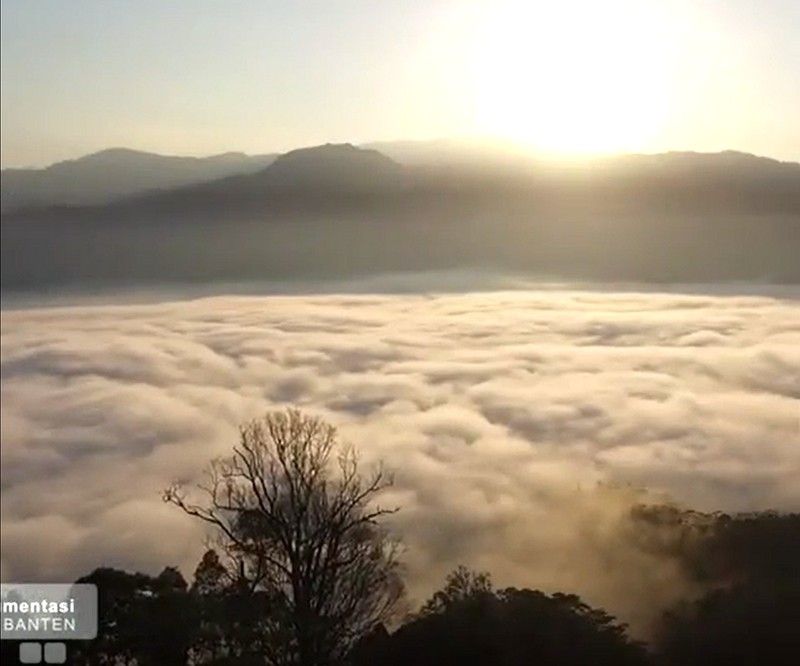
(519, 423)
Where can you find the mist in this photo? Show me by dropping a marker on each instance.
(523, 426)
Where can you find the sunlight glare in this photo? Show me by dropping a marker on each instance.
(575, 77)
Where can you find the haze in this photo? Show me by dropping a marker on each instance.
(198, 78)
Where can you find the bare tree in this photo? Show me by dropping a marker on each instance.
(295, 520)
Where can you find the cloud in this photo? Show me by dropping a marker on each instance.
(518, 423)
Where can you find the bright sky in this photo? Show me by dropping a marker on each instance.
(564, 77)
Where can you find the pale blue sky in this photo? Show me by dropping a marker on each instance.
(199, 77)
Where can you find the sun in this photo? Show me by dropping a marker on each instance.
(574, 77)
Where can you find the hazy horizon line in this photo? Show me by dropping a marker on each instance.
(504, 146)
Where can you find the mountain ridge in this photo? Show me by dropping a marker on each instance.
(295, 169)
(113, 173)
(339, 210)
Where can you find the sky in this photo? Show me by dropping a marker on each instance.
(197, 77)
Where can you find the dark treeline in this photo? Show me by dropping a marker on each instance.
(300, 571)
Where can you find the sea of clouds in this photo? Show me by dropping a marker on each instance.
(521, 425)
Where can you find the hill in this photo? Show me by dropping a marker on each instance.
(338, 211)
(341, 167)
(114, 173)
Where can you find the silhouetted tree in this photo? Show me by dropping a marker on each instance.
(715, 548)
(467, 623)
(210, 576)
(460, 584)
(234, 620)
(751, 613)
(142, 620)
(295, 524)
(737, 626)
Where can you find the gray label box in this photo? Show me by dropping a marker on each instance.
(48, 611)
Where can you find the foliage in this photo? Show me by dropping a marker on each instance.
(751, 613)
(143, 620)
(468, 623)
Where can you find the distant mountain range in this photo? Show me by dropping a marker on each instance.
(339, 211)
(116, 173)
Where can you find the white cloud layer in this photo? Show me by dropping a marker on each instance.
(504, 415)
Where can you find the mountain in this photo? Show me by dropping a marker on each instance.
(341, 167)
(115, 173)
(338, 211)
(311, 178)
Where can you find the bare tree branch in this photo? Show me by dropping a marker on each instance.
(296, 520)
